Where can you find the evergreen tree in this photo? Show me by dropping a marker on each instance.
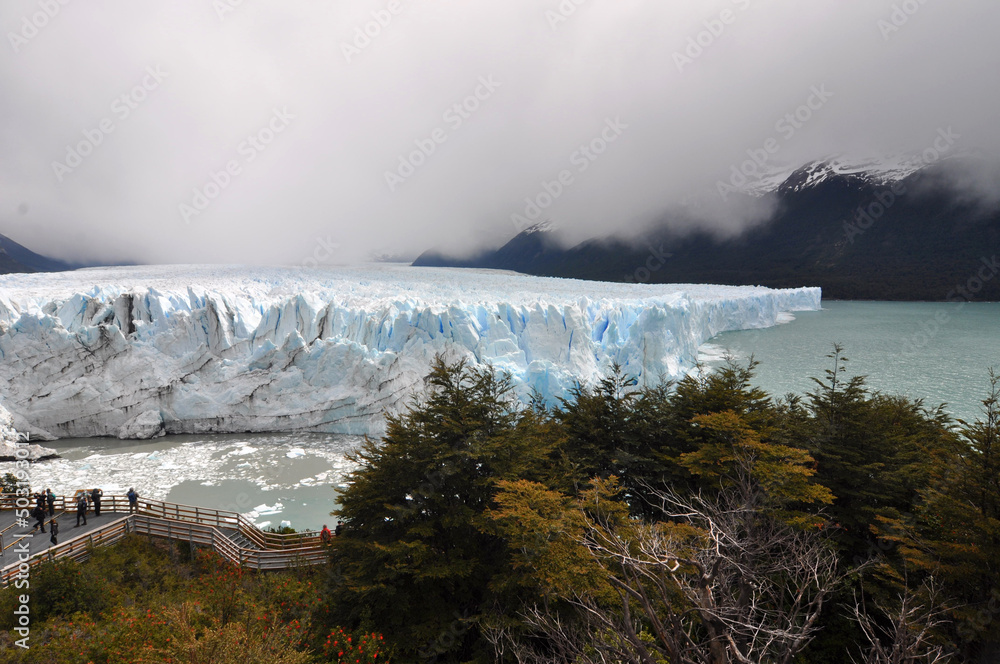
(417, 560)
(600, 426)
(733, 450)
(727, 389)
(874, 453)
(954, 534)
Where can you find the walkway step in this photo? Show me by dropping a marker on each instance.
(242, 540)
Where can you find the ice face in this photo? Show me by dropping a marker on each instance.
(9, 439)
(142, 351)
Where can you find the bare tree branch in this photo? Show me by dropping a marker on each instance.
(909, 636)
(717, 581)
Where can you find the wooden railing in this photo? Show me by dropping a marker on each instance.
(178, 512)
(261, 559)
(197, 525)
(78, 548)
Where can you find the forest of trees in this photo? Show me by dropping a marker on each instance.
(699, 522)
(702, 522)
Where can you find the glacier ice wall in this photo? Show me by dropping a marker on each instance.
(141, 351)
(10, 440)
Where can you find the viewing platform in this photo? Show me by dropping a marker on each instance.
(230, 534)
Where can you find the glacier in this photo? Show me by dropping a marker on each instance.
(15, 446)
(139, 352)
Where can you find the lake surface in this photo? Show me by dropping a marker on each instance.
(932, 351)
(271, 478)
(938, 352)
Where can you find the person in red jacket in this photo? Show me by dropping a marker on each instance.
(326, 535)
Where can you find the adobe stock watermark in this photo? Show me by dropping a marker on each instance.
(447, 639)
(983, 618)
(786, 127)
(241, 505)
(714, 29)
(366, 33)
(454, 117)
(33, 24)
(22, 580)
(964, 293)
(249, 149)
(899, 16)
(224, 7)
(121, 108)
(657, 259)
(565, 10)
(867, 214)
(325, 250)
(581, 159)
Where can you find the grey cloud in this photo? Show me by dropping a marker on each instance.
(897, 71)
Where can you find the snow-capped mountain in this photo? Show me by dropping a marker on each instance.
(881, 171)
(136, 352)
(878, 172)
(908, 227)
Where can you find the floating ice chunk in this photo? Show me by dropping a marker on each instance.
(265, 510)
(296, 453)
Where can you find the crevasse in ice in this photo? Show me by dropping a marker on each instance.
(136, 352)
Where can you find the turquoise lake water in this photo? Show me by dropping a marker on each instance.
(937, 352)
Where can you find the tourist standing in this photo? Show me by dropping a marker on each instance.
(39, 514)
(133, 500)
(95, 496)
(54, 527)
(50, 498)
(326, 535)
(81, 508)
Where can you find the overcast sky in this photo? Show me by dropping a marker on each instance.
(312, 116)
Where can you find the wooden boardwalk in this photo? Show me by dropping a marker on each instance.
(232, 535)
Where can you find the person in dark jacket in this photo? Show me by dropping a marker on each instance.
(95, 496)
(81, 509)
(133, 500)
(339, 529)
(50, 498)
(39, 514)
(54, 527)
(40, 500)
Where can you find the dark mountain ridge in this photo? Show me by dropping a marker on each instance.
(856, 237)
(18, 258)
